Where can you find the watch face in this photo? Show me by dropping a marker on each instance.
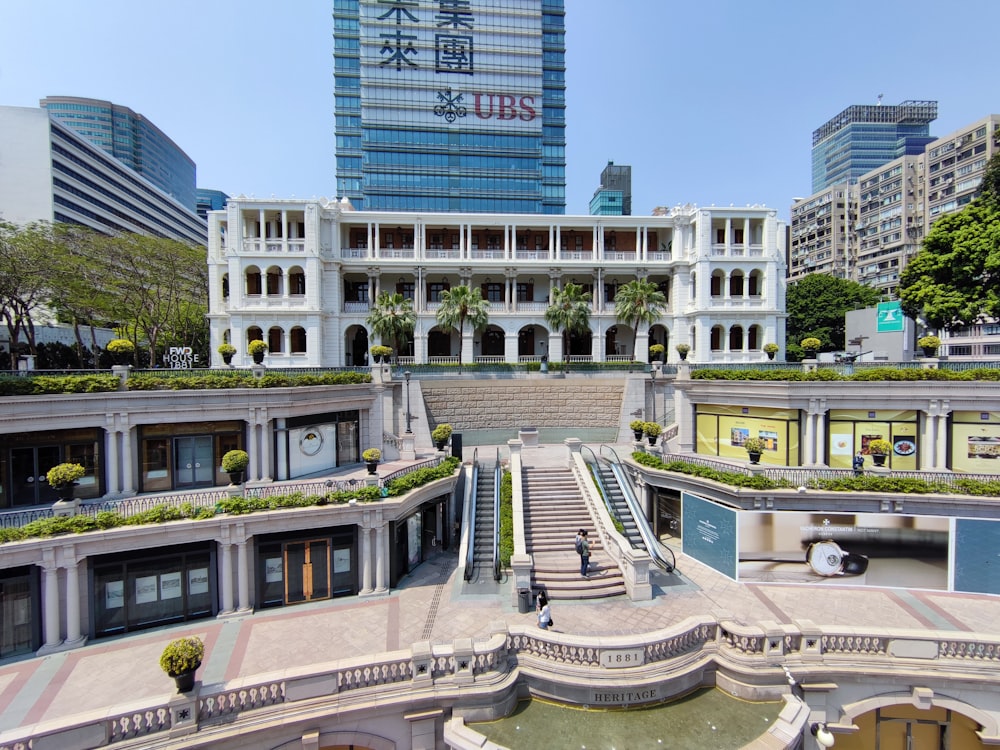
(825, 558)
(311, 441)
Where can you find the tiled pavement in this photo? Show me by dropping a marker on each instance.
(429, 605)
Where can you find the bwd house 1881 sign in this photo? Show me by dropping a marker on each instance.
(449, 50)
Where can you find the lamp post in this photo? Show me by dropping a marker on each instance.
(652, 376)
(407, 376)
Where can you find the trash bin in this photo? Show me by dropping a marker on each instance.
(524, 601)
(545, 364)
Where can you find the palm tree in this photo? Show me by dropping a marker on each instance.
(637, 302)
(459, 305)
(569, 313)
(392, 318)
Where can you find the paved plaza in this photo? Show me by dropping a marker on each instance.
(429, 605)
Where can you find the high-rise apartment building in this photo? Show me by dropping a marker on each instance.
(956, 164)
(131, 139)
(865, 136)
(614, 196)
(451, 105)
(820, 233)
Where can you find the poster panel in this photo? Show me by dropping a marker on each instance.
(146, 589)
(413, 540)
(342, 560)
(975, 446)
(873, 549)
(114, 594)
(709, 533)
(197, 581)
(273, 572)
(977, 555)
(170, 585)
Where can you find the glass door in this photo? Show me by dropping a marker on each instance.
(15, 616)
(193, 464)
(347, 443)
(28, 467)
(307, 571)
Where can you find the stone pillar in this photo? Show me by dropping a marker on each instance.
(810, 442)
(112, 462)
(74, 636)
(818, 447)
(127, 462)
(251, 472)
(50, 605)
(381, 558)
(226, 574)
(941, 439)
(243, 575)
(265, 447)
(366, 558)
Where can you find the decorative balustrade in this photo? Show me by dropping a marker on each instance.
(667, 655)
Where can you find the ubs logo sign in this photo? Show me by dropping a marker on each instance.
(452, 106)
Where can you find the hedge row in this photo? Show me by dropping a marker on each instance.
(59, 525)
(506, 519)
(865, 375)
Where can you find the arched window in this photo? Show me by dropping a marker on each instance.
(717, 278)
(736, 284)
(753, 340)
(296, 281)
(298, 340)
(756, 283)
(274, 281)
(254, 334)
(275, 340)
(736, 339)
(253, 281)
(717, 334)
(225, 286)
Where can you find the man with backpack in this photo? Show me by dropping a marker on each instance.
(583, 550)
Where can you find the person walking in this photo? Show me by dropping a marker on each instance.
(859, 463)
(584, 553)
(544, 611)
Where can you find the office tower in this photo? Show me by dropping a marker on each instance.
(865, 136)
(451, 105)
(131, 139)
(52, 173)
(614, 196)
(210, 200)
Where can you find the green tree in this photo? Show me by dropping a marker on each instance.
(637, 302)
(955, 278)
(570, 314)
(392, 318)
(25, 279)
(459, 305)
(816, 306)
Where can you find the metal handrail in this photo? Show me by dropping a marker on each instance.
(662, 555)
(497, 481)
(469, 522)
(605, 495)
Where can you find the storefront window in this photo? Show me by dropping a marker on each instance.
(139, 591)
(293, 570)
(722, 431)
(853, 430)
(18, 613)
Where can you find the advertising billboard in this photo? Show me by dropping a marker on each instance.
(709, 533)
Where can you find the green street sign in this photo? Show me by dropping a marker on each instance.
(889, 317)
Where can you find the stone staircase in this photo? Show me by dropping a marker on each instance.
(554, 510)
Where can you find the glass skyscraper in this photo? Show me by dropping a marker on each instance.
(131, 139)
(867, 136)
(451, 105)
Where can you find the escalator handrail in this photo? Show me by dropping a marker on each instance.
(469, 522)
(605, 495)
(656, 549)
(497, 480)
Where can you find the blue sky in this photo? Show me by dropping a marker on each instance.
(710, 103)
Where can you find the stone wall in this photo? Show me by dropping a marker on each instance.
(492, 404)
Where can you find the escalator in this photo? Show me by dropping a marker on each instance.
(483, 547)
(623, 505)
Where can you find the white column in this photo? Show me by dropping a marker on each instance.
(810, 441)
(50, 598)
(251, 472)
(820, 432)
(941, 441)
(128, 463)
(366, 560)
(243, 575)
(265, 446)
(381, 558)
(226, 575)
(74, 637)
(925, 438)
(111, 463)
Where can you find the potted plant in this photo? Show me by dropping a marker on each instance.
(371, 457)
(929, 344)
(227, 351)
(62, 478)
(181, 659)
(754, 447)
(682, 350)
(381, 352)
(656, 352)
(770, 349)
(121, 350)
(257, 349)
(652, 431)
(234, 463)
(440, 435)
(879, 449)
(636, 425)
(810, 346)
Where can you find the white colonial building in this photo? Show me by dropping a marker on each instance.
(302, 275)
